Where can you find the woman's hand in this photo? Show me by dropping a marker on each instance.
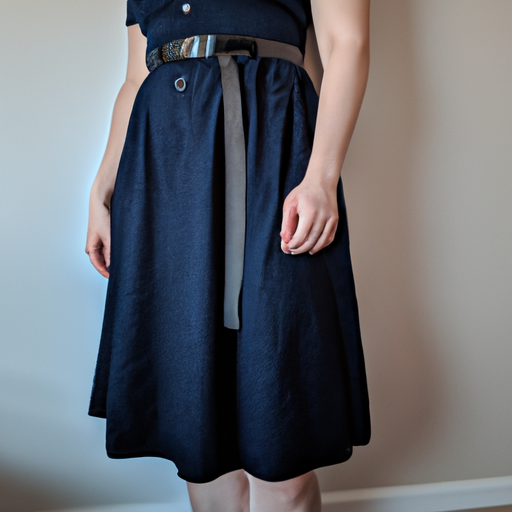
(310, 214)
(98, 232)
(310, 217)
(98, 235)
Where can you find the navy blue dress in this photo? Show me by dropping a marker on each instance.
(286, 393)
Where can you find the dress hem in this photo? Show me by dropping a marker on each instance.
(214, 476)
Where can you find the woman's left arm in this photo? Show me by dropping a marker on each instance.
(310, 211)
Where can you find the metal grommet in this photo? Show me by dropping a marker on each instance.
(186, 8)
(180, 84)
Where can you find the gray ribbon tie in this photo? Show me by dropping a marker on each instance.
(234, 141)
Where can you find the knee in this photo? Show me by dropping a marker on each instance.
(228, 493)
(287, 491)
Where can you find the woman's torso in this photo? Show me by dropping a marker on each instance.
(164, 20)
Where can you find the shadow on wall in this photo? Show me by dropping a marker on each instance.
(404, 373)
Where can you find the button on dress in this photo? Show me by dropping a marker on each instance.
(286, 392)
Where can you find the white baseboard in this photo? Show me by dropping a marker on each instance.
(438, 497)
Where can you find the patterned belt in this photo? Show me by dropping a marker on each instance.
(224, 47)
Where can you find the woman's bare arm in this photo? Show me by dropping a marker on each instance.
(98, 231)
(310, 214)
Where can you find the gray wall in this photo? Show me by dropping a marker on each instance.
(428, 187)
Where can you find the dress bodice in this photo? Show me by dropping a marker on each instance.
(164, 20)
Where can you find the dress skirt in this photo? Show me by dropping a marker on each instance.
(287, 392)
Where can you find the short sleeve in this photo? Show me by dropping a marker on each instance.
(130, 15)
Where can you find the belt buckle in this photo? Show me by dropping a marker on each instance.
(199, 46)
(207, 45)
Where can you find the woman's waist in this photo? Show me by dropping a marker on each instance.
(211, 45)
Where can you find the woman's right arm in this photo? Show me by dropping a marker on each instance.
(98, 231)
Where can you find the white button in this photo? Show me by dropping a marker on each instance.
(180, 84)
(186, 8)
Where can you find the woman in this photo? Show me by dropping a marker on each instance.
(230, 342)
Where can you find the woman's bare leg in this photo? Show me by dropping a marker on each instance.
(228, 493)
(301, 494)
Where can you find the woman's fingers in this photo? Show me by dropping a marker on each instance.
(310, 218)
(289, 223)
(106, 255)
(320, 235)
(290, 219)
(308, 230)
(327, 235)
(98, 249)
(98, 261)
(97, 245)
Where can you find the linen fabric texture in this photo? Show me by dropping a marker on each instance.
(286, 393)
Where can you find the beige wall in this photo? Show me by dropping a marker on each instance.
(428, 184)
